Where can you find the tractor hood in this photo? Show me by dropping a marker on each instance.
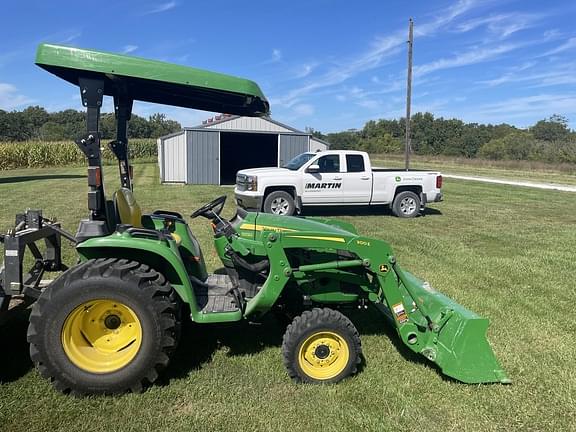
(256, 223)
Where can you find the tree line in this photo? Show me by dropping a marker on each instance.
(549, 140)
(35, 123)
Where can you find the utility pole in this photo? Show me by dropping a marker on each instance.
(409, 93)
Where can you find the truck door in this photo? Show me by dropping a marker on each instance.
(356, 181)
(325, 185)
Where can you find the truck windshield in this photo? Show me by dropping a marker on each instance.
(298, 161)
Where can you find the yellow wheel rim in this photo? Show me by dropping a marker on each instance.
(323, 355)
(101, 336)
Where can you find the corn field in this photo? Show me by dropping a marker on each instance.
(38, 154)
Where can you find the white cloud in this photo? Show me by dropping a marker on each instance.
(502, 25)
(11, 99)
(380, 49)
(542, 105)
(471, 57)
(276, 55)
(569, 44)
(70, 38)
(162, 7)
(129, 48)
(304, 70)
(371, 104)
(303, 110)
(558, 75)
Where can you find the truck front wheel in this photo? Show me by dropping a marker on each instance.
(280, 203)
(406, 205)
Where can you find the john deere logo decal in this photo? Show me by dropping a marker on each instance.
(323, 185)
(383, 268)
(398, 178)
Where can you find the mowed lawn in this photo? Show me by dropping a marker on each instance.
(507, 253)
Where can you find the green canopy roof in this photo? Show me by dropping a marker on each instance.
(155, 81)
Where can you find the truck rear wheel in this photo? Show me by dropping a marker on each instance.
(105, 326)
(321, 346)
(280, 203)
(406, 205)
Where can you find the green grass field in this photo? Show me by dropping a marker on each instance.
(507, 253)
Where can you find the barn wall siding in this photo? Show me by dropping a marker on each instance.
(248, 124)
(172, 156)
(292, 145)
(203, 157)
(316, 145)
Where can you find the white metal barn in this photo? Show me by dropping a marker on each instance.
(213, 152)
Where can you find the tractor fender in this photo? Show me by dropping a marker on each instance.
(161, 255)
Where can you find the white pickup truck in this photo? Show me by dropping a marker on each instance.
(335, 178)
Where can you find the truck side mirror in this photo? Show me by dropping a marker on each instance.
(313, 168)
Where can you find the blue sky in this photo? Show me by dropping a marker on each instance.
(328, 64)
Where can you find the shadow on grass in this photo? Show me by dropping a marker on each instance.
(360, 211)
(200, 342)
(15, 359)
(21, 179)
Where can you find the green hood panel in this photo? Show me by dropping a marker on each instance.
(155, 81)
(256, 223)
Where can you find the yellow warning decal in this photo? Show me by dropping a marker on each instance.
(384, 268)
(400, 313)
(334, 239)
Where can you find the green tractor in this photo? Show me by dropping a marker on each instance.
(111, 323)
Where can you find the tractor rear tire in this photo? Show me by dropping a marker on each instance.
(106, 326)
(406, 205)
(280, 203)
(321, 346)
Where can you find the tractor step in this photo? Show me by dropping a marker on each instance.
(216, 298)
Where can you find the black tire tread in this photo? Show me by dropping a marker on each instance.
(153, 284)
(319, 318)
(287, 195)
(396, 204)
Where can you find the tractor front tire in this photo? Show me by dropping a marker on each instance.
(106, 326)
(321, 346)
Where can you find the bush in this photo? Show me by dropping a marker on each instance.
(36, 154)
(514, 146)
(523, 146)
(385, 143)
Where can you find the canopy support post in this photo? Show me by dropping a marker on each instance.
(123, 112)
(91, 94)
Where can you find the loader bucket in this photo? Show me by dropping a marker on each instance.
(455, 338)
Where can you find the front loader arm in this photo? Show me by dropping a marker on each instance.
(428, 322)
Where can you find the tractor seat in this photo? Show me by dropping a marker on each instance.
(127, 209)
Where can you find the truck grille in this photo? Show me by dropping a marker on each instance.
(241, 183)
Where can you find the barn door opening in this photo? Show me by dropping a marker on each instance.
(241, 150)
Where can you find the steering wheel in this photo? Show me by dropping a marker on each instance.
(211, 209)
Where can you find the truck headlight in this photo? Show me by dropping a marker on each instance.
(252, 183)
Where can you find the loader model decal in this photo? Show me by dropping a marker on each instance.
(310, 186)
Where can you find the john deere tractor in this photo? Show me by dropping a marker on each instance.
(111, 323)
